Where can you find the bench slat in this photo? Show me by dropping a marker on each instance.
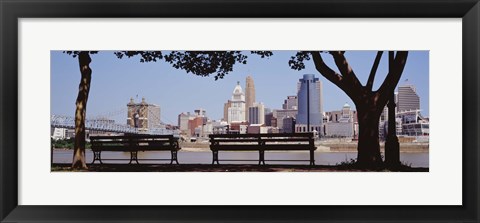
(261, 147)
(263, 140)
(291, 135)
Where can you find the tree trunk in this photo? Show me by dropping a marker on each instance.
(369, 103)
(368, 142)
(80, 111)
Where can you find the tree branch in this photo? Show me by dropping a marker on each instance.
(395, 72)
(330, 74)
(371, 78)
(326, 71)
(346, 70)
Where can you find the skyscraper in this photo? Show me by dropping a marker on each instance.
(256, 114)
(236, 111)
(408, 98)
(249, 95)
(309, 102)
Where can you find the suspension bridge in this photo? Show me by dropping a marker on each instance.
(105, 123)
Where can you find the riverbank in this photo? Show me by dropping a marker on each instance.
(222, 168)
(322, 146)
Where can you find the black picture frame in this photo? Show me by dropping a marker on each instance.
(11, 11)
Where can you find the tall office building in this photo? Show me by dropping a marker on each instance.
(309, 88)
(142, 115)
(227, 105)
(256, 114)
(236, 111)
(318, 85)
(290, 103)
(249, 95)
(408, 99)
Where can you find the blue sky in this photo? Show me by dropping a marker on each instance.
(115, 81)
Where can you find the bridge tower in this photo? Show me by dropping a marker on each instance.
(143, 116)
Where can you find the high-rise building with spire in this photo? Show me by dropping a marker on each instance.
(249, 95)
(236, 111)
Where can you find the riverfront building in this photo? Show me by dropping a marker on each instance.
(58, 133)
(183, 119)
(341, 123)
(309, 102)
(188, 122)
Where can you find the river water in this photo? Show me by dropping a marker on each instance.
(415, 159)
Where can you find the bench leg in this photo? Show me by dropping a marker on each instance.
(174, 157)
(312, 158)
(261, 157)
(134, 157)
(215, 157)
(96, 156)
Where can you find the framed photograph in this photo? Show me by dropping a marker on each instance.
(209, 110)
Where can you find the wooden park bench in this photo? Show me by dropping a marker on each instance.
(134, 144)
(262, 143)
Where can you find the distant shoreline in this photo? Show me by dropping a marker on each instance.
(323, 147)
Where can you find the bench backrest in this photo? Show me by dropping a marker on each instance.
(262, 139)
(133, 142)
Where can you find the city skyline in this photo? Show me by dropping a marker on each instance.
(115, 81)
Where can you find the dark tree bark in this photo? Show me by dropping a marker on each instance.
(84, 60)
(368, 142)
(392, 147)
(369, 103)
